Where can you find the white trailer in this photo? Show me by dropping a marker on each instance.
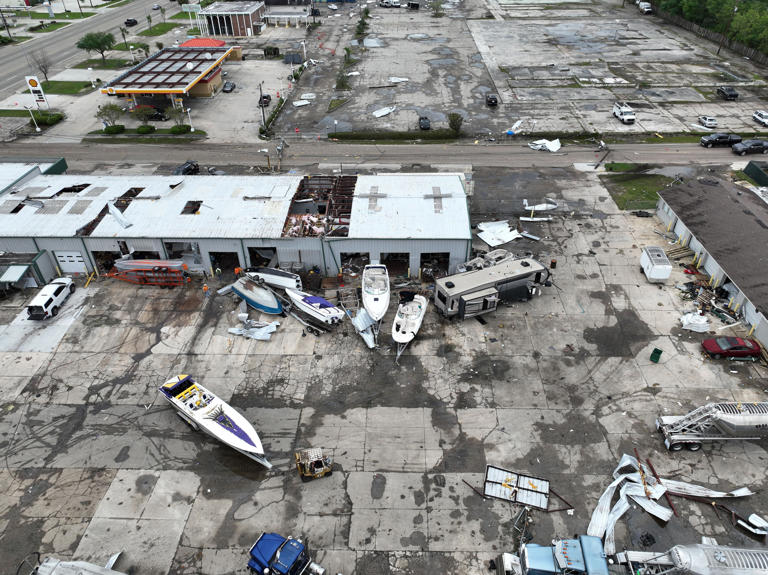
(655, 264)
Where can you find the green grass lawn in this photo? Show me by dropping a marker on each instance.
(621, 167)
(16, 40)
(633, 191)
(65, 87)
(56, 15)
(159, 29)
(181, 16)
(48, 28)
(193, 32)
(98, 63)
(13, 113)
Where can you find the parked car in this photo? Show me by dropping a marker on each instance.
(190, 167)
(711, 140)
(750, 147)
(131, 22)
(332, 7)
(624, 112)
(761, 117)
(265, 100)
(718, 347)
(645, 7)
(727, 93)
(155, 6)
(424, 123)
(229, 87)
(707, 121)
(491, 99)
(49, 299)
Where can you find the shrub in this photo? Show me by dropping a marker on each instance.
(117, 129)
(182, 129)
(145, 129)
(47, 118)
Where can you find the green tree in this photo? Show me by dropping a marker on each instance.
(149, 21)
(162, 13)
(97, 42)
(437, 7)
(124, 32)
(455, 121)
(109, 113)
(159, 45)
(176, 114)
(143, 114)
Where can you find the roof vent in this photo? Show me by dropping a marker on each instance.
(450, 285)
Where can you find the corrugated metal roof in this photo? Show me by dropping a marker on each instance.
(232, 8)
(232, 207)
(423, 206)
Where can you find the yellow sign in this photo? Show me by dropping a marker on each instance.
(33, 83)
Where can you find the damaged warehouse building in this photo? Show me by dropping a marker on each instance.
(414, 223)
(725, 230)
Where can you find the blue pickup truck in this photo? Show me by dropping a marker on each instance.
(273, 554)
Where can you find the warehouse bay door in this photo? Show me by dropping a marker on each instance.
(71, 262)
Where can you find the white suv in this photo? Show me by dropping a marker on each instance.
(761, 117)
(49, 299)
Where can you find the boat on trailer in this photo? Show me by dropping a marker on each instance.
(205, 411)
(376, 291)
(410, 314)
(315, 306)
(258, 297)
(274, 277)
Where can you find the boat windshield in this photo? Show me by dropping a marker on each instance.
(376, 284)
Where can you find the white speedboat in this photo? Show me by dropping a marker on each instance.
(376, 291)
(256, 296)
(315, 306)
(204, 411)
(410, 314)
(274, 277)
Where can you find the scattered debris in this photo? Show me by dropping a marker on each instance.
(381, 112)
(549, 145)
(258, 330)
(308, 96)
(300, 103)
(364, 325)
(695, 322)
(353, 73)
(396, 80)
(543, 207)
(497, 233)
(530, 236)
(515, 487)
(513, 130)
(536, 219)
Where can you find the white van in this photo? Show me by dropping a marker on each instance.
(49, 299)
(645, 7)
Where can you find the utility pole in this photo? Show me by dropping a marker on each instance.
(728, 27)
(261, 105)
(8, 30)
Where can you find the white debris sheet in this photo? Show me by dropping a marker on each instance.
(549, 145)
(543, 207)
(497, 233)
(381, 112)
(300, 103)
(695, 322)
(627, 478)
(396, 80)
(255, 330)
(517, 488)
(364, 326)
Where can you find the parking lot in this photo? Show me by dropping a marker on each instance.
(558, 387)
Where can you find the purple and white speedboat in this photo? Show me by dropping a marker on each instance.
(204, 411)
(315, 306)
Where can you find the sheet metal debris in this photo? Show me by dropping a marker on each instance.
(535, 219)
(632, 480)
(252, 329)
(396, 80)
(543, 207)
(381, 112)
(519, 488)
(364, 325)
(497, 233)
(695, 322)
(548, 145)
(300, 103)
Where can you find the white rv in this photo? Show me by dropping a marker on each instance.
(479, 291)
(655, 264)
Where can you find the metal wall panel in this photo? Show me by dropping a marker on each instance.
(711, 267)
(145, 245)
(761, 331)
(18, 245)
(46, 266)
(212, 245)
(682, 232)
(101, 244)
(695, 245)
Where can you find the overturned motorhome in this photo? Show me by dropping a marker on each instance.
(477, 292)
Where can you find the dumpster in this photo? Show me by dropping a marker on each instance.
(656, 355)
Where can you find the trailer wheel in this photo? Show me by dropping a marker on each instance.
(71, 288)
(676, 447)
(693, 446)
(260, 281)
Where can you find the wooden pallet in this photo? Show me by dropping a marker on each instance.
(679, 253)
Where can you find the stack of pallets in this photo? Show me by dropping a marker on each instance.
(679, 252)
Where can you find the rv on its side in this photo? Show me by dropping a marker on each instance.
(477, 292)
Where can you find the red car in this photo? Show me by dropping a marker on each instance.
(718, 347)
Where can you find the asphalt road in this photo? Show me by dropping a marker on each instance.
(60, 44)
(302, 154)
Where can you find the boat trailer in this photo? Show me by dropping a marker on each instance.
(156, 275)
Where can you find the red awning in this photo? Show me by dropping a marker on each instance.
(203, 43)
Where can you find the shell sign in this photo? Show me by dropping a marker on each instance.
(36, 89)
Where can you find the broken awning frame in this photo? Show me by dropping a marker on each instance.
(14, 273)
(519, 488)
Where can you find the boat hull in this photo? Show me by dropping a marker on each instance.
(206, 412)
(274, 277)
(257, 297)
(408, 320)
(324, 312)
(376, 301)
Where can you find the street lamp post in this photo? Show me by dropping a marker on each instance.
(304, 47)
(335, 124)
(191, 127)
(31, 115)
(133, 58)
(90, 77)
(261, 105)
(728, 28)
